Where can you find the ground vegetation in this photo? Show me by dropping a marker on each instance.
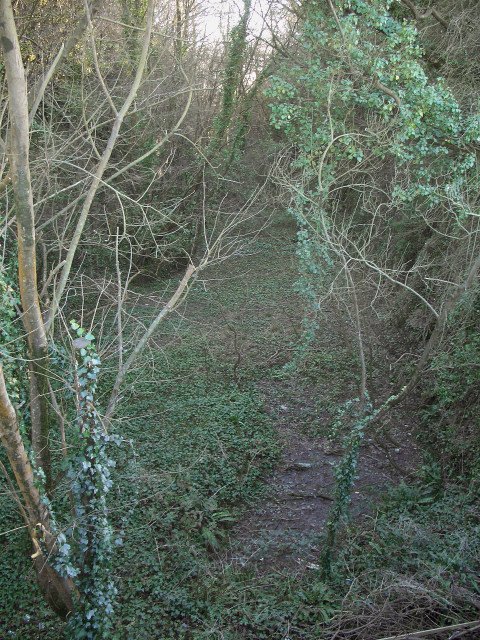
(239, 349)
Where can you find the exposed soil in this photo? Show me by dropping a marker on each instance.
(287, 526)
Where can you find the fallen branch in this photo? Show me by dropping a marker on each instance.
(431, 632)
(168, 308)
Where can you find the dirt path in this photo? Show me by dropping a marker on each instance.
(252, 317)
(286, 529)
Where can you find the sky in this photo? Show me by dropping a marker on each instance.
(221, 15)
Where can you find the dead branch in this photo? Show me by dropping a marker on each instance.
(431, 11)
(430, 632)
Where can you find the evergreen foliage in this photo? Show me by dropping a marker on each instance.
(87, 544)
(233, 74)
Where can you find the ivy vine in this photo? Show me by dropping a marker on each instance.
(360, 98)
(87, 545)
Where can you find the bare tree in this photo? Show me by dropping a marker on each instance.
(84, 181)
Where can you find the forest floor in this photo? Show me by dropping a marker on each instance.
(301, 488)
(284, 530)
(259, 332)
(224, 482)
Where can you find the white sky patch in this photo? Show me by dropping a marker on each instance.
(218, 18)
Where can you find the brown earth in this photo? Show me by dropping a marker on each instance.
(286, 528)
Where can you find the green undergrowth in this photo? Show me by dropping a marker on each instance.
(197, 444)
(184, 593)
(23, 614)
(196, 448)
(416, 558)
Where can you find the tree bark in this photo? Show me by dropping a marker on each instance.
(56, 589)
(17, 149)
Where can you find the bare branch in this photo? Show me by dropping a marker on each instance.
(431, 11)
(65, 50)
(102, 165)
(431, 344)
(95, 60)
(430, 632)
(45, 80)
(139, 347)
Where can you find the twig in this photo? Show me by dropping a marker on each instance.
(54, 271)
(430, 632)
(358, 326)
(120, 298)
(168, 308)
(98, 174)
(45, 80)
(36, 92)
(95, 61)
(435, 338)
(463, 633)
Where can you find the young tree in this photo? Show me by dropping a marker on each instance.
(57, 588)
(103, 163)
(56, 584)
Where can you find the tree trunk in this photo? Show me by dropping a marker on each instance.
(57, 590)
(18, 145)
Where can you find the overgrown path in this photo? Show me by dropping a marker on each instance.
(224, 480)
(288, 526)
(255, 318)
(230, 398)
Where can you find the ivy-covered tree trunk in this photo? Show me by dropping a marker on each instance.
(233, 74)
(20, 173)
(57, 590)
(232, 79)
